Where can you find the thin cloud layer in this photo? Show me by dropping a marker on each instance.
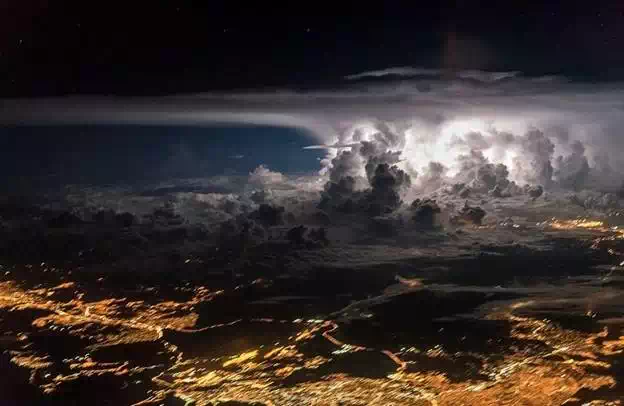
(410, 72)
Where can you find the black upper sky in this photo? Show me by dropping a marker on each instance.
(162, 47)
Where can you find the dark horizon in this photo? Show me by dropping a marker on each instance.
(74, 48)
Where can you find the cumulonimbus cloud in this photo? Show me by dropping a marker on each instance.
(431, 111)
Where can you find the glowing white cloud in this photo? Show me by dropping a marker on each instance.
(427, 113)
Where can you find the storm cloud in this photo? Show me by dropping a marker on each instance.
(390, 145)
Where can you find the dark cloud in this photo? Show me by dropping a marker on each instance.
(309, 237)
(534, 165)
(261, 196)
(595, 201)
(387, 183)
(490, 176)
(425, 212)
(535, 191)
(573, 170)
(469, 214)
(268, 215)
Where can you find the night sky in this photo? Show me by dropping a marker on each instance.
(52, 156)
(78, 48)
(153, 48)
